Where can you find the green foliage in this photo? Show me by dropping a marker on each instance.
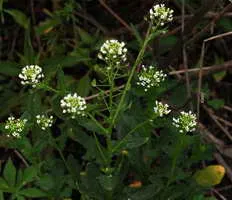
(121, 148)
(216, 103)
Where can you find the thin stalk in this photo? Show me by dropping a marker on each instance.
(63, 159)
(129, 133)
(98, 124)
(100, 149)
(48, 88)
(177, 153)
(127, 86)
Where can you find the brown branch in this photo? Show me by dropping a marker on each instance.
(102, 2)
(210, 112)
(205, 70)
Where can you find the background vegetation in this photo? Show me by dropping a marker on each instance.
(64, 38)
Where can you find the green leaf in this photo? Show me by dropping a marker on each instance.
(210, 176)
(90, 125)
(9, 68)
(29, 174)
(84, 86)
(219, 76)
(64, 61)
(226, 24)
(216, 103)
(33, 192)
(201, 197)
(19, 177)
(3, 184)
(46, 26)
(19, 17)
(9, 173)
(145, 193)
(61, 83)
(73, 165)
(85, 37)
(1, 195)
(135, 142)
(130, 142)
(20, 198)
(1, 4)
(108, 182)
(137, 35)
(33, 104)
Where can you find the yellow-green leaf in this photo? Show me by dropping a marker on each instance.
(210, 176)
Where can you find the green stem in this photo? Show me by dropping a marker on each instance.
(63, 159)
(100, 149)
(176, 156)
(48, 88)
(127, 87)
(129, 133)
(105, 132)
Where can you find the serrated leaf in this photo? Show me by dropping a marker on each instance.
(19, 17)
(9, 173)
(33, 192)
(210, 176)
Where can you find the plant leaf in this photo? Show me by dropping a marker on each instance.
(33, 192)
(108, 182)
(9, 173)
(9, 68)
(19, 17)
(210, 176)
(29, 174)
(3, 184)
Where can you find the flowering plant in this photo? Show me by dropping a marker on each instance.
(111, 138)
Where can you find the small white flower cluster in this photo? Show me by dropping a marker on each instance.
(74, 105)
(159, 15)
(44, 122)
(14, 126)
(113, 52)
(161, 109)
(150, 77)
(186, 122)
(31, 75)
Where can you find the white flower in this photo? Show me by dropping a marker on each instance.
(161, 109)
(159, 15)
(14, 127)
(31, 75)
(44, 122)
(150, 77)
(74, 105)
(186, 122)
(113, 52)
